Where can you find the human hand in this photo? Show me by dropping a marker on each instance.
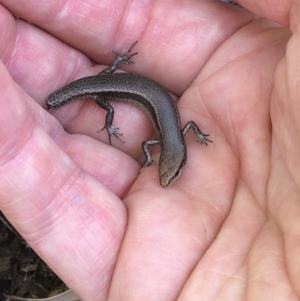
(113, 234)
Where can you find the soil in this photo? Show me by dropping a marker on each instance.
(22, 272)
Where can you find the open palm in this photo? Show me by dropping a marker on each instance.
(227, 228)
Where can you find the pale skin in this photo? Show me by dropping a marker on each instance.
(228, 228)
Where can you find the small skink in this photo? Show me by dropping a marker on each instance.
(148, 95)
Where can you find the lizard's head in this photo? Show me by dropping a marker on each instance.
(171, 165)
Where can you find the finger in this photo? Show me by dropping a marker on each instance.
(284, 191)
(38, 62)
(163, 56)
(59, 209)
(285, 106)
(275, 10)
